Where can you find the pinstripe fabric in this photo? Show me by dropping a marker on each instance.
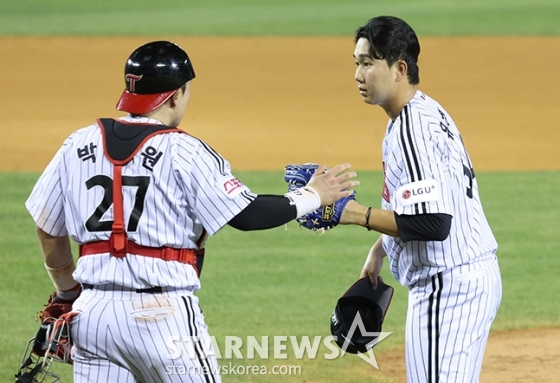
(128, 335)
(183, 198)
(423, 144)
(448, 320)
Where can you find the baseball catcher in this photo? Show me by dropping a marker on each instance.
(324, 218)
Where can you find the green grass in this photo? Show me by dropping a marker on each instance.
(525, 217)
(274, 17)
(286, 281)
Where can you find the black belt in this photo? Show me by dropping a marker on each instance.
(151, 290)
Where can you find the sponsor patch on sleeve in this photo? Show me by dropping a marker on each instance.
(418, 192)
(231, 186)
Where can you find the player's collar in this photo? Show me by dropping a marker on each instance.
(140, 120)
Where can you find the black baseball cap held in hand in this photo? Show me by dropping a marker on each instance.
(153, 73)
(360, 303)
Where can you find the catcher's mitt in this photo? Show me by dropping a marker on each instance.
(324, 218)
(57, 306)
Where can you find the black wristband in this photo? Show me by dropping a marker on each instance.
(367, 218)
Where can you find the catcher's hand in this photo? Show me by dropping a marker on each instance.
(57, 306)
(324, 218)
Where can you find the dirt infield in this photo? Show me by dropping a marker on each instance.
(521, 356)
(263, 102)
(266, 102)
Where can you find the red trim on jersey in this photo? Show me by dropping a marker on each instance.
(385, 193)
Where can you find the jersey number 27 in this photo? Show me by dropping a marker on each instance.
(94, 222)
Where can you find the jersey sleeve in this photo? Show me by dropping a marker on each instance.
(420, 153)
(46, 201)
(214, 194)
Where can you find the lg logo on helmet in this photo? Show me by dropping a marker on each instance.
(132, 78)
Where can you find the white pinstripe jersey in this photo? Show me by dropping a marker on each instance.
(427, 170)
(179, 186)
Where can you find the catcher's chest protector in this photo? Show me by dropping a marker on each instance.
(121, 142)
